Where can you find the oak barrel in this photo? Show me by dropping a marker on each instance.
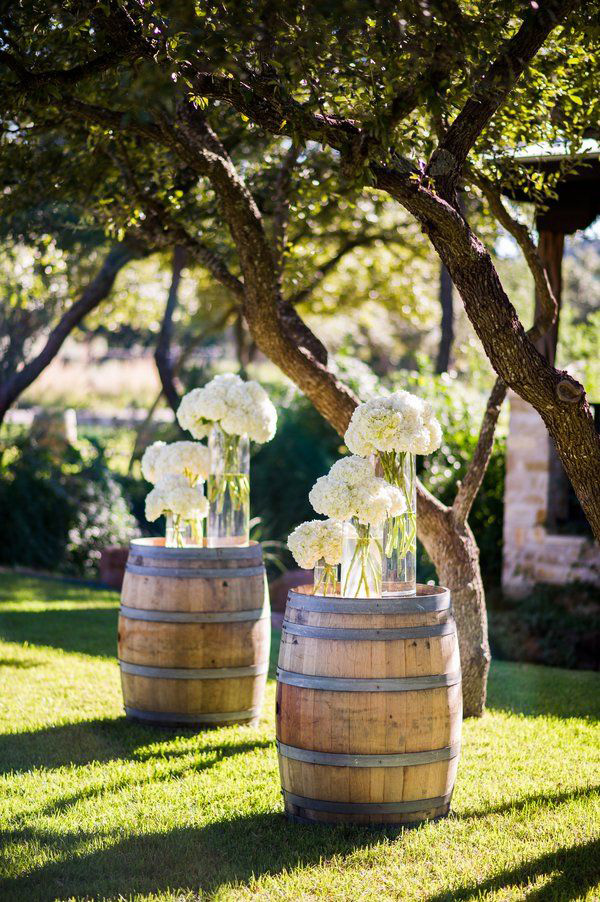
(369, 708)
(194, 633)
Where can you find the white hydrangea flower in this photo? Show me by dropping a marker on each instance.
(190, 459)
(351, 489)
(150, 468)
(402, 422)
(173, 494)
(241, 408)
(314, 540)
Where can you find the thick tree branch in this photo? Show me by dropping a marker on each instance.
(275, 111)
(162, 353)
(96, 291)
(544, 319)
(471, 483)
(494, 87)
(281, 205)
(548, 303)
(558, 398)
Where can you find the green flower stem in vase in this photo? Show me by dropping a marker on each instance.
(361, 560)
(182, 531)
(400, 532)
(228, 489)
(325, 578)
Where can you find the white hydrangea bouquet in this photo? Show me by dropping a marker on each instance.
(231, 413)
(352, 493)
(394, 429)
(317, 545)
(178, 472)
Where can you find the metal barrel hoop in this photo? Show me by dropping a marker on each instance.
(333, 759)
(184, 573)
(406, 807)
(192, 673)
(408, 632)
(159, 616)
(356, 684)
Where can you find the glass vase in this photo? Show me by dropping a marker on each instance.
(400, 532)
(361, 560)
(182, 531)
(228, 489)
(325, 578)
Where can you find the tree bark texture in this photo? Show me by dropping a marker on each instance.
(447, 323)
(163, 351)
(450, 544)
(550, 248)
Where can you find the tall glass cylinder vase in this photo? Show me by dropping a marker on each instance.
(182, 531)
(400, 532)
(228, 489)
(325, 578)
(361, 560)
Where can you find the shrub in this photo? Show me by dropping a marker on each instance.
(554, 625)
(60, 508)
(285, 469)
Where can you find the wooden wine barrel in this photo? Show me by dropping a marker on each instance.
(194, 633)
(369, 708)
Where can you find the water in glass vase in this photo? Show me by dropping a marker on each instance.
(361, 560)
(181, 532)
(325, 578)
(228, 489)
(400, 532)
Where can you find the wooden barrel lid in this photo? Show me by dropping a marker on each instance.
(427, 599)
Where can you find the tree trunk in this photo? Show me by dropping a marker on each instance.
(162, 354)
(550, 249)
(447, 323)
(451, 546)
(97, 290)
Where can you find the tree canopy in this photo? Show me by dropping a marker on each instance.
(163, 123)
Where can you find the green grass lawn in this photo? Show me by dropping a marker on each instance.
(94, 807)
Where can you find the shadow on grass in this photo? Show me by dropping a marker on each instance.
(571, 871)
(19, 663)
(189, 859)
(200, 860)
(89, 631)
(538, 691)
(100, 740)
(539, 798)
(173, 771)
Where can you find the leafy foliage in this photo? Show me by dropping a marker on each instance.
(285, 469)
(60, 509)
(552, 625)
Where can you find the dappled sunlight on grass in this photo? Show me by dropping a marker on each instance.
(94, 806)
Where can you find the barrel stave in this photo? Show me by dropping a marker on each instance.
(390, 723)
(200, 645)
(223, 592)
(421, 718)
(368, 785)
(194, 697)
(163, 593)
(360, 659)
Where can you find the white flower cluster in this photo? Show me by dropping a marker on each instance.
(351, 489)
(241, 408)
(314, 540)
(189, 459)
(401, 422)
(173, 494)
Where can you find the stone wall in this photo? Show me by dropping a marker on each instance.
(531, 554)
